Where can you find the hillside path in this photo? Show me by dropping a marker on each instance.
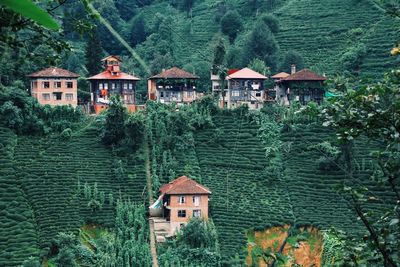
(153, 247)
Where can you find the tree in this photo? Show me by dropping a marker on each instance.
(219, 55)
(352, 58)
(259, 66)
(261, 44)
(291, 58)
(93, 54)
(187, 6)
(272, 22)
(113, 130)
(138, 30)
(231, 24)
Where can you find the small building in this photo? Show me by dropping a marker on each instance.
(179, 201)
(110, 82)
(173, 86)
(244, 86)
(304, 86)
(54, 86)
(279, 92)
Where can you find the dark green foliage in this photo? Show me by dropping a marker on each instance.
(231, 24)
(31, 262)
(351, 60)
(271, 21)
(291, 58)
(138, 31)
(219, 56)
(113, 131)
(93, 53)
(127, 9)
(261, 44)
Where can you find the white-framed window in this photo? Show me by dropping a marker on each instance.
(69, 97)
(57, 84)
(113, 86)
(258, 94)
(69, 85)
(190, 94)
(196, 200)
(125, 86)
(182, 199)
(197, 213)
(235, 93)
(46, 97)
(57, 96)
(46, 85)
(100, 86)
(106, 86)
(181, 213)
(130, 86)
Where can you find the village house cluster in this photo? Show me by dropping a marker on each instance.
(56, 86)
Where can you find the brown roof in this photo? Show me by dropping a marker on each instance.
(280, 75)
(305, 75)
(184, 185)
(246, 73)
(54, 72)
(175, 73)
(116, 57)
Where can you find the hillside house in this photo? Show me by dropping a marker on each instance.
(112, 81)
(244, 86)
(179, 201)
(54, 86)
(303, 86)
(173, 86)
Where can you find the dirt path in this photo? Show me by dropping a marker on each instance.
(153, 247)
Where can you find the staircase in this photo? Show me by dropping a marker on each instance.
(162, 228)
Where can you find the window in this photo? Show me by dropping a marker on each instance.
(69, 97)
(125, 86)
(106, 86)
(130, 86)
(258, 94)
(161, 94)
(181, 213)
(181, 200)
(57, 84)
(57, 96)
(113, 86)
(190, 94)
(69, 85)
(235, 93)
(100, 86)
(196, 200)
(46, 84)
(197, 213)
(46, 97)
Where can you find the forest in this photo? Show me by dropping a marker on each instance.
(297, 185)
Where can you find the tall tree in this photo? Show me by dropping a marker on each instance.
(93, 53)
(138, 30)
(113, 131)
(231, 24)
(219, 55)
(291, 58)
(261, 44)
(272, 22)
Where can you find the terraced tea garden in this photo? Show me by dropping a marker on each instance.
(75, 182)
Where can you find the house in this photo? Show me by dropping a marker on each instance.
(279, 92)
(112, 81)
(303, 86)
(244, 86)
(54, 86)
(173, 86)
(179, 201)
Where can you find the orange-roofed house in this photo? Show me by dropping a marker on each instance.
(110, 82)
(244, 86)
(173, 86)
(180, 200)
(54, 86)
(303, 86)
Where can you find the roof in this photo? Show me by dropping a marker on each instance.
(184, 185)
(246, 73)
(111, 56)
(232, 71)
(175, 73)
(54, 72)
(280, 75)
(106, 75)
(305, 75)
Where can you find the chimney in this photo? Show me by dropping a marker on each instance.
(162, 70)
(293, 69)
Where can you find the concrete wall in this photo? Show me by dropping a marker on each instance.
(69, 96)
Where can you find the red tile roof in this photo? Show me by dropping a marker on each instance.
(280, 75)
(175, 73)
(232, 71)
(54, 72)
(184, 185)
(305, 75)
(246, 73)
(106, 75)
